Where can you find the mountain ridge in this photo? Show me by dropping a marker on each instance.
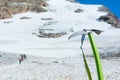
(8, 8)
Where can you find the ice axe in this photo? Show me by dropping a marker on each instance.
(85, 31)
(94, 49)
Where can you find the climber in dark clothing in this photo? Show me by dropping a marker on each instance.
(22, 57)
(20, 60)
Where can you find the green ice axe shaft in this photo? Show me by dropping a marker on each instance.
(96, 56)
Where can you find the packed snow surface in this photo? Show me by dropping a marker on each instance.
(63, 57)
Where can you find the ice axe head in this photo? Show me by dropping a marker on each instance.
(93, 30)
(85, 31)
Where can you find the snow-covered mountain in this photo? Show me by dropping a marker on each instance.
(23, 33)
(46, 35)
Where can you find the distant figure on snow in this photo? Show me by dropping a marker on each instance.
(22, 57)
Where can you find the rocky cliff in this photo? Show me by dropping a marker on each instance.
(110, 18)
(10, 7)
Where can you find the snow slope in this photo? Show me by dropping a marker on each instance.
(68, 68)
(16, 37)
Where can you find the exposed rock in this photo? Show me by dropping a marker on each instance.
(109, 18)
(78, 10)
(46, 18)
(71, 0)
(7, 22)
(15, 8)
(34, 2)
(55, 61)
(4, 12)
(103, 9)
(25, 18)
(37, 8)
(46, 29)
(10, 7)
(107, 56)
(51, 35)
(49, 23)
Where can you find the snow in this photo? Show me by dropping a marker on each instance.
(67, 68)
(16, 37)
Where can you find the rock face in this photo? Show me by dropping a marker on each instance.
(110, 18)
(78, 10)
(49, 33)
(44, 34)
(40, 2)
(4, 12)
(10, 7)
(103, 9)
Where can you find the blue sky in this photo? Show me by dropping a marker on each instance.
(113, 5)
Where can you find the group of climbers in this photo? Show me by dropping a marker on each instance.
(22, 57)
